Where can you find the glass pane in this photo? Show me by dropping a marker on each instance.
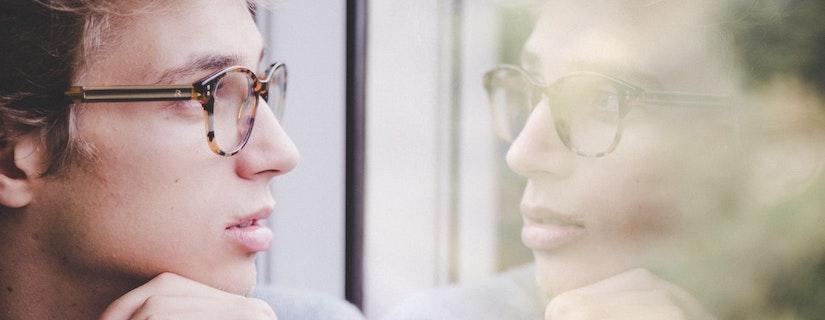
(277, 91)
(708, 205)
(511, 102)
(233, 110)
(588, 106)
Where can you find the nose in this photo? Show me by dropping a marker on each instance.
(269, 151)
(538, 150)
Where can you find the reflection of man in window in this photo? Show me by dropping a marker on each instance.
(116, 203)
(663, 199)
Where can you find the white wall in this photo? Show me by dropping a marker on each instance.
(308, 251)
(430, 205)
(477, 154)
(405, 197)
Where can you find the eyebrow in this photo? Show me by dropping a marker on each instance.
(531, 62)
(201, 63)
(623, 72)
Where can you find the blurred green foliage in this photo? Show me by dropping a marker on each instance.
(775, 38)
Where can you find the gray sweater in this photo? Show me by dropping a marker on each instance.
(297, 305)
(512, 295)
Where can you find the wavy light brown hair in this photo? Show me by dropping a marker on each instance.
(45, 45)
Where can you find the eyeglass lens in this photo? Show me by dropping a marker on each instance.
(277, 90)
(585, 109)
(510, 98)
(234, 110)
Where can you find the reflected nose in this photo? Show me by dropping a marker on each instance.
(538, 150)
(269, 152)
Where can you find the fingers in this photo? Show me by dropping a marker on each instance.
(633, 279)
(175, 297)
(636, 305)
(203, 308)
(643, 279)
(163, 284)
(634, 294)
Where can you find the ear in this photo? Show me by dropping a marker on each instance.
(789, 154)
(20, 162)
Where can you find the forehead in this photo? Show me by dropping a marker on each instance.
(649, 43)
(171, 34)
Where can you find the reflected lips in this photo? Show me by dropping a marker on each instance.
(251, 233)
(547, 230)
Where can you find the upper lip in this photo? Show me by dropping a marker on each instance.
(544, 215)
(261, 214)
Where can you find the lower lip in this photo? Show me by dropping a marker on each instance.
(252, 239)
(539, 236)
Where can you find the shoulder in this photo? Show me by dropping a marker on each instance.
(301, 305)
(509, 295)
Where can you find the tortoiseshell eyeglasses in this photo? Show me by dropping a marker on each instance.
(229, 99)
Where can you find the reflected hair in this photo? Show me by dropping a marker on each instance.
(780, 38)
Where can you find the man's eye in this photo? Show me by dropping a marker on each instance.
(188, 108)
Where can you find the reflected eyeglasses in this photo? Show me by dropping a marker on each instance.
(587, 108)
(229, 99)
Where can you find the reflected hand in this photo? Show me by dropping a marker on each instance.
(170, 296)
(633, 295)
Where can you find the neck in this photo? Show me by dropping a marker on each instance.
(38, 283)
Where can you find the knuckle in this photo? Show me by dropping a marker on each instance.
(259, 304)
(673, 312)
(166, 276)
(565, 305)
(641, 273)
(646, 278)
(261, 308)
(153, 302)
(663, 296)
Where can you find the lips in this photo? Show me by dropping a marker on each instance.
(244, 224)
(250, 232)
(547, 230)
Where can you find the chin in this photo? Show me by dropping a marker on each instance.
(236, 278)
(564, 269)
(554, 281)
(559, 273)
(238, 281)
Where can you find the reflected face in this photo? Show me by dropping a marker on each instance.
(588, 218)
(157, 199)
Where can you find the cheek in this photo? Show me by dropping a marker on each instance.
(121, 225)
(137, 131)
(635, 192)
(634, 206)
(144, 205)
(660, 183)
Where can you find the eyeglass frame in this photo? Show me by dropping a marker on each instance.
(627, 92)
(200, 90)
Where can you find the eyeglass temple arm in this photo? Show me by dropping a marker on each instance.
(684, 99)
(132, 93)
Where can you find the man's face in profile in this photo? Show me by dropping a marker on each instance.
(589, 218)
(155, 198)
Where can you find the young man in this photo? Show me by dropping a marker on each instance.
(116, 203)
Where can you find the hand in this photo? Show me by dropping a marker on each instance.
(635, 294)
(170, 296)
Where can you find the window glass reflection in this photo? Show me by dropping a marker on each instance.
(705, 208)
